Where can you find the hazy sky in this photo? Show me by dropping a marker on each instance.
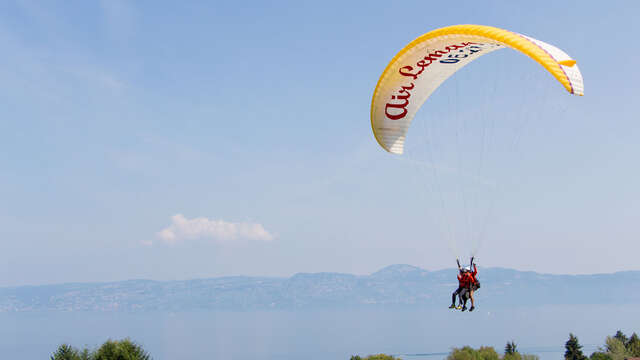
(166, 140)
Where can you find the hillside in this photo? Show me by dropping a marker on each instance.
(393, 286)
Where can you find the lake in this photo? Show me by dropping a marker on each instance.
(416, 334)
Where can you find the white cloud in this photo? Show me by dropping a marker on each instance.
(182, 229)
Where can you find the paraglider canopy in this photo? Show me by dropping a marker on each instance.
(419, 68)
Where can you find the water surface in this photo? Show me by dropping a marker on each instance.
(319, 334)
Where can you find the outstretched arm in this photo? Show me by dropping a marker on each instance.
(458, 261)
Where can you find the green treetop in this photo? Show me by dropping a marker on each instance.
(573, 349)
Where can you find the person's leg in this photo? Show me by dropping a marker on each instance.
(464, 296)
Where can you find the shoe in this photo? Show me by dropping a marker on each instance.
(452, 306)
(471, 308)
(458, 307)
(464, 308)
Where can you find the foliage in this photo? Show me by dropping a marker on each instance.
(110, 350)
(511, 353)
(518, 356)
(375, 357)
(620, 346)
(464, 353)
(530, 357)
(487, 353)
(633, 345)
(85, 354)
(573, 349)
(468, 353)
(512, 356)
(615, 348)
(120, 350)
(599, 355)
(621, 336)
(66, 352)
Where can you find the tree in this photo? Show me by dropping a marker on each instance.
(66, 352)
(511, 348)
(122, 349)
(464, 353)
(110, 350)
(530, 357)
(85, 354)
(573, 349)
(514, 356)
(468, 353)
(633, 345)
(511, 353)
(621, 336)
(599, 355)
(487, 353)
(615, 348)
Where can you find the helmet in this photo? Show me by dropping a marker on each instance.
(467, 268)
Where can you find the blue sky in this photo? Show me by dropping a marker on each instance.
(254, 118)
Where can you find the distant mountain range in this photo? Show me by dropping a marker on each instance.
(393, 286)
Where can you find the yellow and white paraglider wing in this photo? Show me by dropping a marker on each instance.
(425, 63)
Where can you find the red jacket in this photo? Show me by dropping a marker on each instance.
(468, 278)
(473, 274)
(463, 280)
